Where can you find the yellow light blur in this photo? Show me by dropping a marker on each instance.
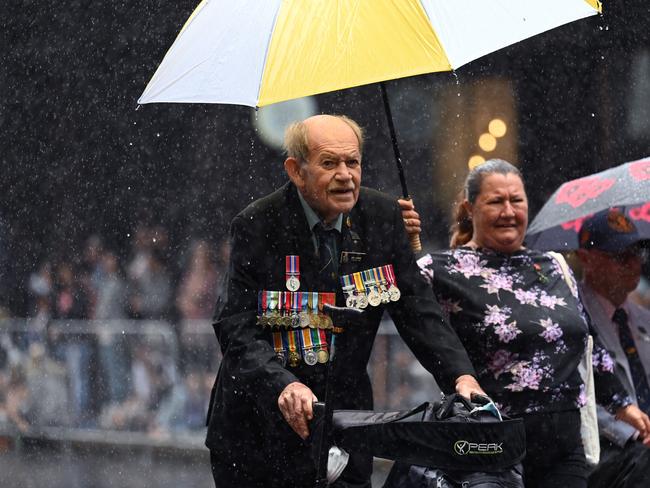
(475, 161)
(487, 142)
(497, 128)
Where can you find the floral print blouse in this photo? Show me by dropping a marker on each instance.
(523, 327)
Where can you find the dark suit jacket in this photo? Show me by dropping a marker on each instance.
(245, 425)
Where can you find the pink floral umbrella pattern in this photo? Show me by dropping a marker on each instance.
(626, 187)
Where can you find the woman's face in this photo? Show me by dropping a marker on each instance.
(500, 213)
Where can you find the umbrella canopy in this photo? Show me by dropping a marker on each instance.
(627, 187)
(259, 52)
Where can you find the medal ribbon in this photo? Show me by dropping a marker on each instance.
(273, 302)
(358, 283)
(379, 276)
(315, 338)
(287, 304)
(390, 274)
(304, 301)
(292, 340)
(292, 266)
(368, 279)
(296, 300)
(306, 339)
(347, 282)
(278, 343)
(323, 339)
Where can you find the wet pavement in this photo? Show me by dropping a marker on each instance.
(44, 465)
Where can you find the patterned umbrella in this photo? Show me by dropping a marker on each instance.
(627, 187)
(259, 52)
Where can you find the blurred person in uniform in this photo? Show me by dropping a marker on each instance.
(112, 308)
(319, 226)
(46, 382)
(92, 270)
(152, 290)
(195, 299)
(519, 316)
(72, 345)
(611, 256)
(40, 303)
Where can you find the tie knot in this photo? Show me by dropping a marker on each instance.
(324, 235)
(620, 317)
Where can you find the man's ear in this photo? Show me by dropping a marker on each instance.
(292, 167)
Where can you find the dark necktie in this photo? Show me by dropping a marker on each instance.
(636, 368)
(328, 264)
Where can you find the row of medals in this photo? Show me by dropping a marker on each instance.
(293, 320)
(374, 296)
(310, 356)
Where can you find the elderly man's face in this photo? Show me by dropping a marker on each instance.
(329, 180)
(620, 271)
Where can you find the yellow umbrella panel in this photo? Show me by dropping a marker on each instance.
(258, 52)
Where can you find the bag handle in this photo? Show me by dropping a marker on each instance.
(448, 403)
(559, 259)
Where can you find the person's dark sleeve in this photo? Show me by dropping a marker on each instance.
(610, 392)
(419, 318)
(249, 364)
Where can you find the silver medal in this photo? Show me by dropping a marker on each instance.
(293, 283)
(310, 357)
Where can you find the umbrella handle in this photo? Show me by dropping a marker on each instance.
(414, 240)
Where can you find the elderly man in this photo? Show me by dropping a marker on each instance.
(317, 228)
(611, 257)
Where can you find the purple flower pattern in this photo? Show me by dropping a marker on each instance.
(552, 331)
(468, 264)
(550, 301)
(526, 297)
(522, 334)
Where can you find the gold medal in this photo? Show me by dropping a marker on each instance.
(294, 359)
(322, 356)
(326, 322)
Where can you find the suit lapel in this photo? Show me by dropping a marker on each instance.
(353, 254)
(606, 333)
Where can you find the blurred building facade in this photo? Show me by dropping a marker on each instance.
(78, 158)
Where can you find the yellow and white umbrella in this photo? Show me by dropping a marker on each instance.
(259, 52)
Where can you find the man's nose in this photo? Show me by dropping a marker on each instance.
(342, 171)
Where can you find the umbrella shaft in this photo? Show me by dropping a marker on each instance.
(393, 137)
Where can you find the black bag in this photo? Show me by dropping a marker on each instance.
(448, 438)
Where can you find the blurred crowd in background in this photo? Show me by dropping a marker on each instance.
(115, 343)
(123, 342)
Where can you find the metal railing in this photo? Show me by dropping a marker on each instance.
(136, 382)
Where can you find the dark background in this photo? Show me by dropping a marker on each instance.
(78, 158)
